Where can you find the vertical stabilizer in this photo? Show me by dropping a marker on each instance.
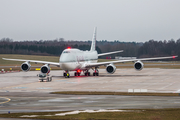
(93, 44)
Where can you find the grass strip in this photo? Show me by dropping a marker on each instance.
(135, 114)
(114, 93)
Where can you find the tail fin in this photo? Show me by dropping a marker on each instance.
(93, 44)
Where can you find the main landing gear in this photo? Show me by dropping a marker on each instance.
(96, 72)
(87, 73)
(66, 74)
(77, 73)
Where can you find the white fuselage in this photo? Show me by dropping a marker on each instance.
(75, 59)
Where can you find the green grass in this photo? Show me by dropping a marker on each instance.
(26, 57)
(141, 114)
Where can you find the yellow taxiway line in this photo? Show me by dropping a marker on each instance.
(5, 101)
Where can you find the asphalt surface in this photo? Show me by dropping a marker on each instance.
(152, 79)
(21, 92)
(45, 102)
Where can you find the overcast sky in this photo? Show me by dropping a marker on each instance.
(123, 20)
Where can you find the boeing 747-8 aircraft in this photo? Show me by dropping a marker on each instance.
(78, 60)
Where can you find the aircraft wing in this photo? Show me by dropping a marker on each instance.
(110, 53)
(34, 61)
(89, 65)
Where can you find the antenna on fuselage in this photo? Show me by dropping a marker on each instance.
(93, 44)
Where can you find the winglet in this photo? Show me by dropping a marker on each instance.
(93, 44)
(174, 56)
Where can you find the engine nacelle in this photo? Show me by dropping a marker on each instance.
(138, 65)
(25, 66)
(45, 69)
(110, 68)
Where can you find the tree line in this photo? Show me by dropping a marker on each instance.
(55, 47)
(154, 48)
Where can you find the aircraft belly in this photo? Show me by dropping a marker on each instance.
(70, 66)
(73, 66)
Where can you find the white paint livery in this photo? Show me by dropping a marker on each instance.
(78, 60)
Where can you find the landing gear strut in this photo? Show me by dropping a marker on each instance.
(77, 74)
(66, 74)
(96, 72)
(87, 73)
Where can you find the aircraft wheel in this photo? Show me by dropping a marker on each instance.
(75, 74)
(68, 75)
(96, 74)
(65, 74)
(87, 74)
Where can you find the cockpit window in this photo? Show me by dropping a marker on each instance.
(66, 52)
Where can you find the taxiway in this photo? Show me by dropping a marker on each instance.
(21, 91)
(152, 79)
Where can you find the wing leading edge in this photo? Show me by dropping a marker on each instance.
(109, 53)
(34, 61)
(89, 65)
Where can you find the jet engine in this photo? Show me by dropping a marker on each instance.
(45, 69)
(25, 66)
(138, 65)
(110, 68)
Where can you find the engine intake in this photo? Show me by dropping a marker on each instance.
(25, 66)
(138, 65)
(45, 69)
(110, 68)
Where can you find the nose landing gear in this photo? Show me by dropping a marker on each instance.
(66, 74)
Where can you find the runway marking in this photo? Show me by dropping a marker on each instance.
(5, 101)
(167, 85)
(20, 87)
(43, 88)
(178, 91)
